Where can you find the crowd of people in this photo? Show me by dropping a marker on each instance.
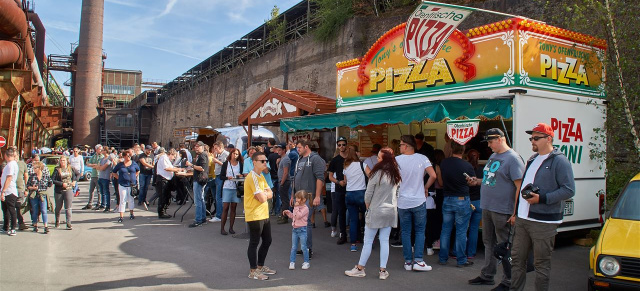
(423, 198)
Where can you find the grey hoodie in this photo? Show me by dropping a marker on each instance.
(556, 183)
(307, 171)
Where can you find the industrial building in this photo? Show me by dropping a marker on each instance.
(31, 103)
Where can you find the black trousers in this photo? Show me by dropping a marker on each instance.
(284, 196)
(164, 194)
(9, 211)
(258, 229)
(339, 212)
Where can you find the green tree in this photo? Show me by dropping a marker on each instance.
(277, 26)
(616, 22)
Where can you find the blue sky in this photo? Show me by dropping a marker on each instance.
(162, 38)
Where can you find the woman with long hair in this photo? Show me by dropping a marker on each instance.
(230, 169)
(355, 177)
(381, 200)
(64, 180)
(39, 200)
(127, 173)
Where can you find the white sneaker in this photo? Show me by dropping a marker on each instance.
(292, 266)
(215, 219)
(355, 272)
(421, 266)
(430, 252)
(384, 275)
(407, 266)
(306, 265)
(334, 233)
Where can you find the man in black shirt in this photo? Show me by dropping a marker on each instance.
(145, 160)
(200, 165)
(272, 158)
(456, 206)
(424, 148)
(339, 211)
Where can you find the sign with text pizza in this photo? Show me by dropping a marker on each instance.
(462, 131)
(429, 27)
(509, 53)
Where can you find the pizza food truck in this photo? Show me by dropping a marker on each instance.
(511, 74)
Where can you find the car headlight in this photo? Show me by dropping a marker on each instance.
(609, 266)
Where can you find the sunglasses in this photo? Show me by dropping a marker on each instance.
(342, 145)
(262, 161)
(536, 138)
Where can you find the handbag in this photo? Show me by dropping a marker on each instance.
(239, 184)
(135, 191)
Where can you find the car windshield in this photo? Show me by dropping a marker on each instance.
(628, 204)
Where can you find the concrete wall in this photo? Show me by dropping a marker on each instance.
(303, 64)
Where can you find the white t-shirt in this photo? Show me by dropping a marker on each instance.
(412, 171)
(355, 177)
(529, 177)
(77, 163)
(163, 163)
(231, 173)
(11, 169)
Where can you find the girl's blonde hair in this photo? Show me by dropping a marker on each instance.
(302, 194)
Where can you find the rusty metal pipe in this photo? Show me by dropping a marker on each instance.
(40, 39)
(10, 53)
(12, 19)
(13, 23)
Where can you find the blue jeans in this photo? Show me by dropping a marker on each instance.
(198, 198)
(454, 208)
(37, 206)
(219, 184)
(413, 219)
(104, 192)
(309, 204)
(144, 186)
(369, 236)
(210, 189)
(355, 205)
(474, 225)
(299, 235)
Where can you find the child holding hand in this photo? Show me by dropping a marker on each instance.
(299, 233)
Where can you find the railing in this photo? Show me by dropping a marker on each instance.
(242, 51)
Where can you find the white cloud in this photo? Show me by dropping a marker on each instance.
(168, 8)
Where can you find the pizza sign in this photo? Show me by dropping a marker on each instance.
(429, 27)
(461, 131)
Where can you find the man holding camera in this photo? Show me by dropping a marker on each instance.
(547, 182)
(499, 188)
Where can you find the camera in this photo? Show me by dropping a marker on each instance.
(528, 189)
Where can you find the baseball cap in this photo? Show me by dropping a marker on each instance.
(341, 138)
(281, 145)
(376, 148)
(493, 133)
(148, 147)
(542, 128)
(200, 144)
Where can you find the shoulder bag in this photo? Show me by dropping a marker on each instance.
(239, 184)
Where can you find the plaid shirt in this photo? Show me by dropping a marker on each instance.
(42, 184)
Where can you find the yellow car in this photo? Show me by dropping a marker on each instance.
(615, 259)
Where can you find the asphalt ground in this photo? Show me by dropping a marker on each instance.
(153, 254)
